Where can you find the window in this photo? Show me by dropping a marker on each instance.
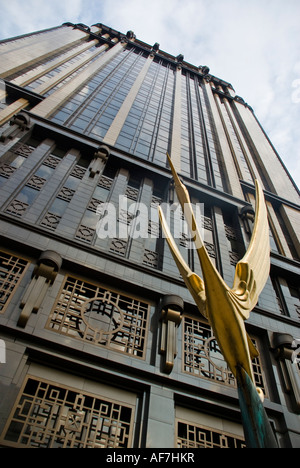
(96, 315)
(52, 415)
(202, 356)
(94, 107)
(191, 435)
(12, 270)
(146, 131)
(288, 295)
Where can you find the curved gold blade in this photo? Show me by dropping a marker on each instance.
(193, 282)
(253, 269)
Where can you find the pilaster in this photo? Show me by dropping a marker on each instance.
(41, 70)
(56, 79)
(232, 178)
(31, 50)
(176, 124)
(118, 122)
(59, 97)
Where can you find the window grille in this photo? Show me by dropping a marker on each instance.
(196, 436)
(202, 356)
(105, 318)
(12, 270)
(51, 415)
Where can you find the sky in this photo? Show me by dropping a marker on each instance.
(252, 44)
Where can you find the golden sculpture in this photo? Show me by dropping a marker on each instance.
(226, 308)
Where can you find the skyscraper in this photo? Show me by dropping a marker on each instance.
(101, 343)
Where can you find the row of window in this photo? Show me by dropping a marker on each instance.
(147, 129)
(48, 414)
(91, 313)
(94, 107)
(153, 252)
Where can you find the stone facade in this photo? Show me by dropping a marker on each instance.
(101, 343)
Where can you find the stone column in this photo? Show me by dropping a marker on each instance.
(53, 102)
(176, 124)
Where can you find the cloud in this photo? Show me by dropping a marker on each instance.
(254, 45)
(23, 17)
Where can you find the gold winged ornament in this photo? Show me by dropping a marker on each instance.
(226, 308)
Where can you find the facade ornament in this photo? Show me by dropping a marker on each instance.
(82, 27)
(204, 70)
(130, 35)
(100, 158)
(179, 58)
(247, 215)
(171, 316)
(286, 351)
(18, 124)
(227, 308)
(43, 277)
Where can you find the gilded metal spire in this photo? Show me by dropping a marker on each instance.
(226, 308)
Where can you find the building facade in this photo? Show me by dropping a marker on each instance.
(101, 343)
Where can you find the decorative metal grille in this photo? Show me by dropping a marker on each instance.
(23, 150)
(66, 194)
(105, 182)
(50, 221)
(125, 217)
(36, 182)
(207, 223)
(131, 193)
(194, 436)
(17, 207)
(210, 249)
(78, 172)
(52, 161)
(234, 257)
(50, 415)
(85, 233)
(12, 270)
(96, 205)
(102, 317)
(231, 233)
(150, 258)
(155, 201)
(118, 246)
(184, 240)
(6, 170)
(203, 358)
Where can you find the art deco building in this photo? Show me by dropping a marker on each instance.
(101, 343)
